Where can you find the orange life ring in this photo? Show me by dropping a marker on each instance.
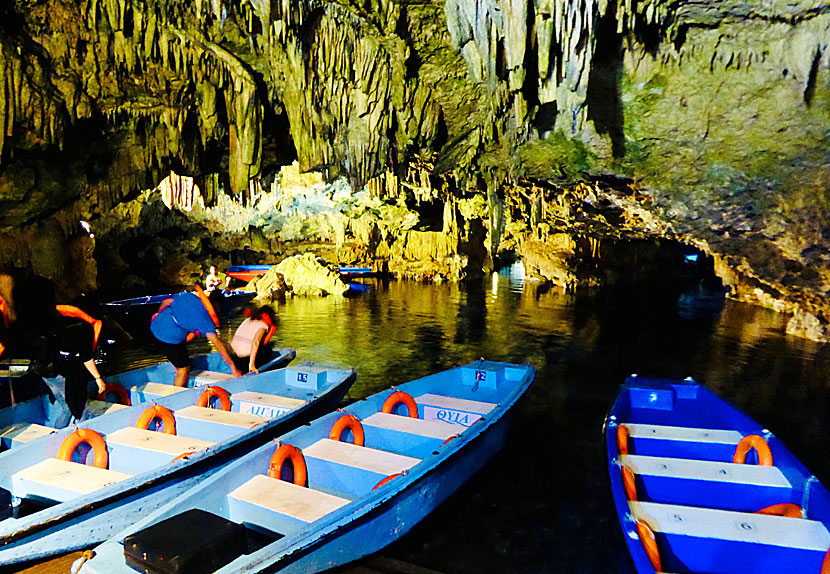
(385, 480)
(825, 565)
(350, 422)
(157, 412)
(622, 439)
(284, 452)
(787, 509)
(120, 392)
(649, 543)
(630, 484)
(213, 391)
(93, 439)
(400, 397)
(749, 442)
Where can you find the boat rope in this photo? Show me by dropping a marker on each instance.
(805, 498)
(76, 566)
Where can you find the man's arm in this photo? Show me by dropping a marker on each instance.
(220, 347)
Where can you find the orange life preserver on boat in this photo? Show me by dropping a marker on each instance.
(93, 439)
(214, 391)
(825, 565)
(4, 313)
(120, 392)
(157, 412)
(649, 542)
(787, 509)
(387, 479)
(351, 422)
(630, 483)
(400, 397)
(749, 442)
(71, 311)
(622, 439)
(284, 452)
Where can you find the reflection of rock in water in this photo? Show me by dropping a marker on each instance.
(701, 302)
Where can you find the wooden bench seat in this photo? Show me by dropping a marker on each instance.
(264, 405)
(707, 540)
(97, 408)
(21, 433)
(724, 485)
(149, 391)
(463, 412)
(348, 454)
(682, 442)
(201, 378)
(62, 480)
(156, 441)
(304, 504)
(218, 416)
(429, 428)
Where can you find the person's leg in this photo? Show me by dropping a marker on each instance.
(181, 376)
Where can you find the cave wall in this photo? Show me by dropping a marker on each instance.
(716, 112)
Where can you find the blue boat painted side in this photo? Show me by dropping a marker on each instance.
(439, 457)
(77, 520)
(678, 440)
(52, 411)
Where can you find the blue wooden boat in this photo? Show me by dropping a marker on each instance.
(48, 411)
(420, 443)
(232, 299)
(52, 502)
(701, 487)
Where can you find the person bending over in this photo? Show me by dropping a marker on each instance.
(250, 341)
(178, 320)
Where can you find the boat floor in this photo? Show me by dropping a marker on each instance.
(372, 565)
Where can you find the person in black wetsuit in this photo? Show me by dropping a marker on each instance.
(59, 340)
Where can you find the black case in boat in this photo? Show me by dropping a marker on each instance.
(193, 542)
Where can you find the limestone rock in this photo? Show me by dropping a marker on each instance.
(307, 276)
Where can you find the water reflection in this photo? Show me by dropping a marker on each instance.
(542, 505)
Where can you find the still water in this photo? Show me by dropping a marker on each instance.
(542, 504)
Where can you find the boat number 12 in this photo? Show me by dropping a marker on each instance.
(480, 378)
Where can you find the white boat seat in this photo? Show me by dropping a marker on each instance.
(20, 433)
(264, 405)
(200, 378)
(733, 526)
(432, 429)
(61, 480)
(681, 468)
(218, 416)
(366, 458)
(97, 408)
(158, 389)
(731, 437)
(155, 441)
(305, 504)
(463, 412)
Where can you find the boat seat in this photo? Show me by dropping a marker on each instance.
(463, 412)
(95, 408)
(352, 469)
(149, 391)
(745, 487)
(21, 433)
(200, 378)
(263, 405)
(281, 505)
(707, 540)
(62, 480)
(214, 423)
(405, 435)
(135, 450)
(682, 442)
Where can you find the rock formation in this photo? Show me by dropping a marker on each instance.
(557, 129)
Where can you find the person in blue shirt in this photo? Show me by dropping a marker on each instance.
(181, 317)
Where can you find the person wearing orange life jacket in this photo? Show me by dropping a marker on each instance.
(250, 341)
(178, 319)
(60, 339)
